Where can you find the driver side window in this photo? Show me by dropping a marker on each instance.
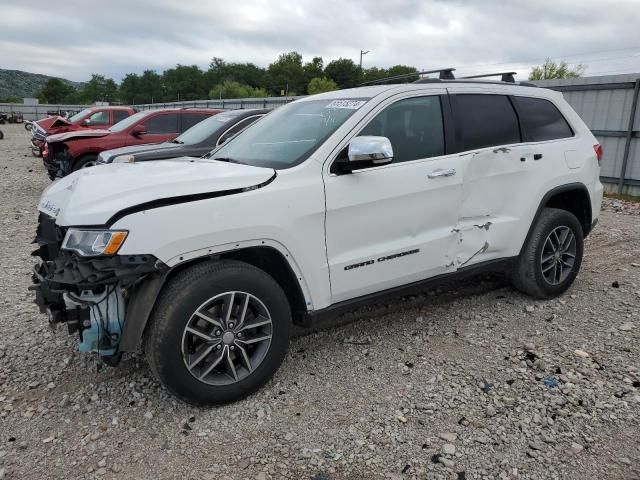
(413, 125)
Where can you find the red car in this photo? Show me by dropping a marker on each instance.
(67, 152)
(94, 117)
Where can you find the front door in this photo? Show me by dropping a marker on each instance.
(393, 224)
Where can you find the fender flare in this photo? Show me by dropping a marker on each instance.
(547, 196)
(145, 294)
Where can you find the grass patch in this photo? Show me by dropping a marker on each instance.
(624, 197)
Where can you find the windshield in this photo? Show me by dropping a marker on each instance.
(204, 129)
(291, 133)
(79, 115)
(127, 122)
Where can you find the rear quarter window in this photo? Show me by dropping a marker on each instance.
(485, 120)
(541, 120)
(119, 115)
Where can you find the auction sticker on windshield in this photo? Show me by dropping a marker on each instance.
(350, 104)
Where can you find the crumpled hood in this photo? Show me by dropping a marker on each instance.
(91, 196)
(61, 137)
(53, 122)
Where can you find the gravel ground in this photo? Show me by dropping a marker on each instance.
(472, 381)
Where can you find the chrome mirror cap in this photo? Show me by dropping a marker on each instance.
(377, 150)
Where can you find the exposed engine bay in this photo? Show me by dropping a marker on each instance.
(88, 294)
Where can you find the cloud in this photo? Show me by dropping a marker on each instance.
(77, 38)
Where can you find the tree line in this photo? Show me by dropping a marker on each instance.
(288, 75)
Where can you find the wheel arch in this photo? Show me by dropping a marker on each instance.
(572, 197)
(267, 258)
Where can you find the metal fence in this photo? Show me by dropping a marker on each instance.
(609, 107)
(607, 104)
(237, 103)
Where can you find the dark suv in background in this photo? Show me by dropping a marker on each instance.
(67, 152)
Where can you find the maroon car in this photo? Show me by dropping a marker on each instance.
(67, 152)
(94, 117)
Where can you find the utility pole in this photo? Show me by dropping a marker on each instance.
(363, 52)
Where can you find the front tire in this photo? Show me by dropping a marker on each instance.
(85, 162)
(218, 332)
(551, 257)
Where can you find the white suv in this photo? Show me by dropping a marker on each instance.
(330, 201)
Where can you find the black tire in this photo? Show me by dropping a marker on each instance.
(528, 276)
(84, 162)
(176, 307)
(1, 135)
(27, 126)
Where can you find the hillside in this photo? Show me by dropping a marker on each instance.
(15, 83)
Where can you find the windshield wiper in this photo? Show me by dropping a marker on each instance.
(228, 160)
(179, 142)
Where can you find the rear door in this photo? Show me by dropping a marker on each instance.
(118, 115)
(498, 177)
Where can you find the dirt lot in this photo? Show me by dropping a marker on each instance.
(474, 381)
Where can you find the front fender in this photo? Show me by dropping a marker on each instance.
(241, 245)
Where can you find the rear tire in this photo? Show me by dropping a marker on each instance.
(551, 257)
(208, 354)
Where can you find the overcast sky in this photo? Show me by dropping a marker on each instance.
(73, 39)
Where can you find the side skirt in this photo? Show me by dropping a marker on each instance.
(503, 265)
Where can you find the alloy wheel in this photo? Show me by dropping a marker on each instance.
(558, 255)
(227, 338)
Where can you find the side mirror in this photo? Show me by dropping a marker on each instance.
(364, 152)
(86, 122)
(138, 131)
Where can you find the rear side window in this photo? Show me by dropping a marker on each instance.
(541, 120)
(162, 123)
(190, 119)
(485, 121)
(119, 115)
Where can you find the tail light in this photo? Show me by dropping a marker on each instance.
(598, 149)
(45, 151)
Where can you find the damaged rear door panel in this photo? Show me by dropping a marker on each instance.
(497, 183)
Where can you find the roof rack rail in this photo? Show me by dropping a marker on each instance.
(445, 74)
(504, 76)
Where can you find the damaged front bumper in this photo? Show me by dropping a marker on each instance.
(89, 294)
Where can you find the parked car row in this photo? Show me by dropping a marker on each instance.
(94, 117)
(67, 152)
(11, 117)
(329, 202)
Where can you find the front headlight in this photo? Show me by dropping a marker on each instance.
(90, 243)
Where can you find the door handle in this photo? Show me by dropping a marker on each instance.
(537, 156)
(442, 173)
